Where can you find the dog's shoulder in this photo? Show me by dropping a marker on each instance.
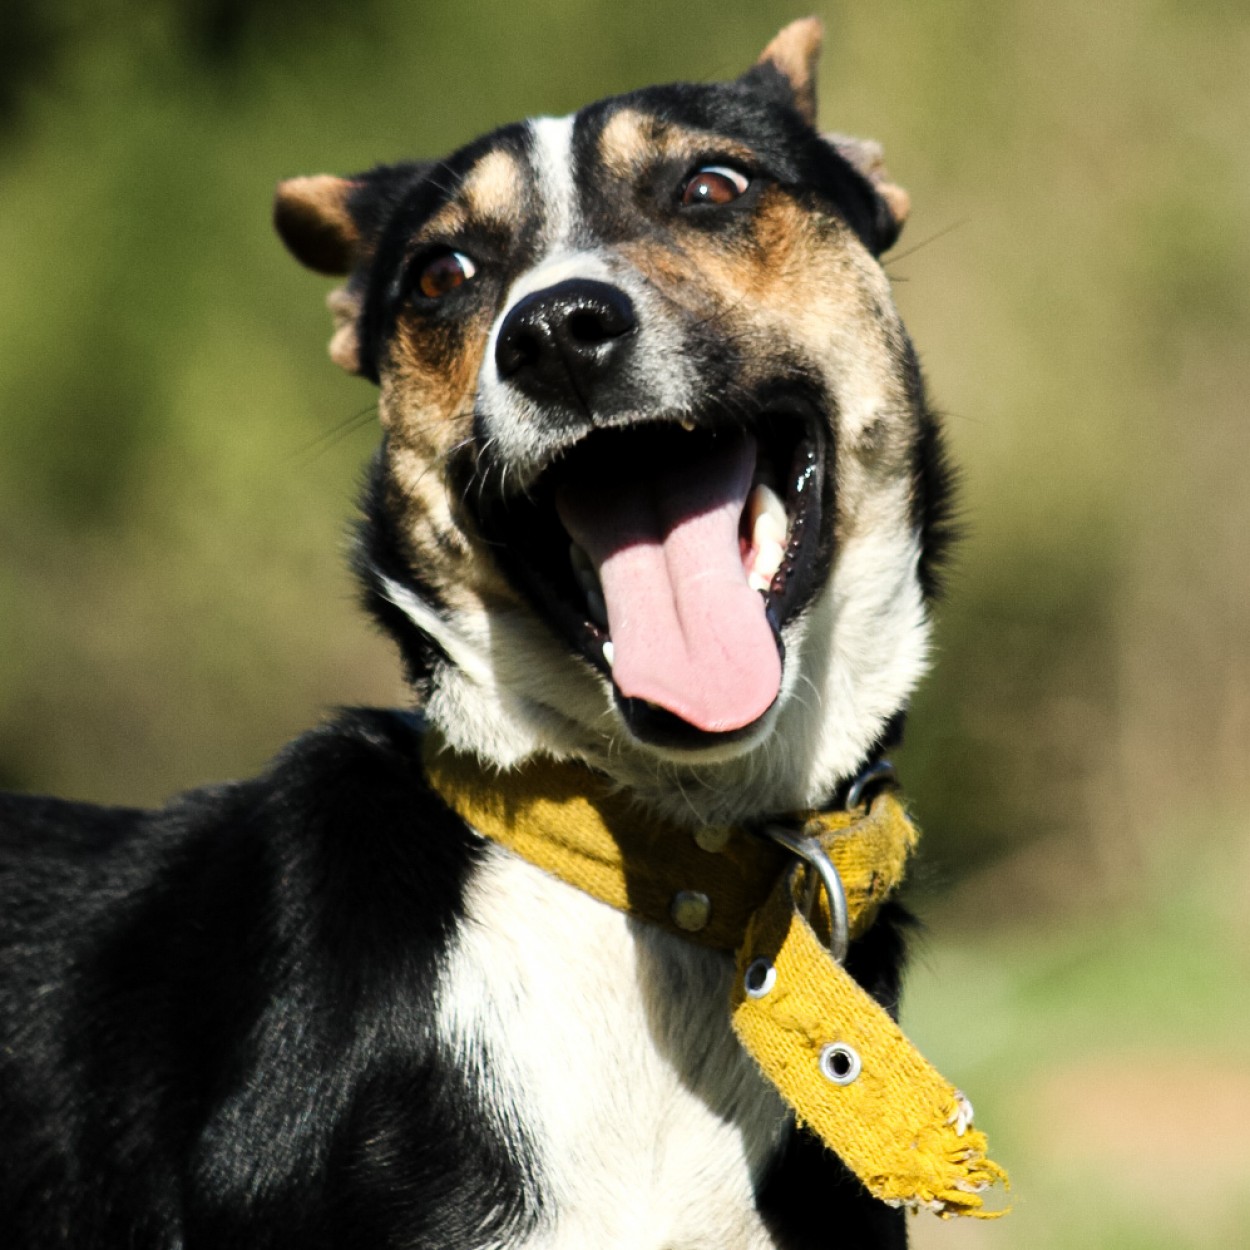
(230, 999)
(335, 806)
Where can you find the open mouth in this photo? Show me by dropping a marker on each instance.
(671, 555)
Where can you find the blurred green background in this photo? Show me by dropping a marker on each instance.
(178, 462)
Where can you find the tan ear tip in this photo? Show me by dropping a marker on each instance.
(812, 28)
(802, 30)
(897, 200)
(312, 217)
(796, 44)
(291, 204)
(287, 192)
(307, 196)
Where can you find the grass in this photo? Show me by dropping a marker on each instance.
(1108, 1053)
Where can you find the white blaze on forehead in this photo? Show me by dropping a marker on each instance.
(516, 425)
(552, 154)
(551, 157)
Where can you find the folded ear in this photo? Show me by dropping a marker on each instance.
(893, 203)
(788, 66)
(332, 225)
(313, 218)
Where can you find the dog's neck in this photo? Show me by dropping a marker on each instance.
(826, 730)
(747, 788)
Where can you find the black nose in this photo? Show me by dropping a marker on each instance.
(566, 344)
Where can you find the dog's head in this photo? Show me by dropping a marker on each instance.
(658, 479)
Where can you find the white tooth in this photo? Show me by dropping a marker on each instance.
(766, 515)
(769, 531)
(768, 558)
(609, 652)
(687, 424)
(598, 609)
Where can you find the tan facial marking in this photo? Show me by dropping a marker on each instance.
(428, 395)
(428, 390)
(802, 280)
(491, 192)
(630, 141)
(450, 220)
(790, 254)
(428, 416)
(494, 188)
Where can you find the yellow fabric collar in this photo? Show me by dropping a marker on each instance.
(830, 1049)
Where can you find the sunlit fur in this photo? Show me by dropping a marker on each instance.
(651, 1125)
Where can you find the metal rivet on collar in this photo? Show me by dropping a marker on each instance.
(712, 838)
(759, 978)
(690, 910)
(840, 1063)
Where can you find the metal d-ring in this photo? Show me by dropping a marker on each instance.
(812, 852)
(876, 773)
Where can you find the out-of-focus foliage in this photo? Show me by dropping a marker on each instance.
(1107, 1055)
(40, 43)
(178, 458)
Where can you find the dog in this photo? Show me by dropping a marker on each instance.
(659, 498)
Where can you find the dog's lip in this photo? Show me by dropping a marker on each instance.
(533, 547)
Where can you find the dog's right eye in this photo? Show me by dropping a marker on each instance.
(443, 272)
(714, 184)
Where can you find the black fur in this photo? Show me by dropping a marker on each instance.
(933, 487)
(215, 1018)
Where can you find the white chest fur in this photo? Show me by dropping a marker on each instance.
(609, 1040)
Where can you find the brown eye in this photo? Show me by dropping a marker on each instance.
(714, 184)
(444, 273)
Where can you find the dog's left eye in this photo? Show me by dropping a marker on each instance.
(443, 273)
(714, 184)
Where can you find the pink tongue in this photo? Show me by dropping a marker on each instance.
(688, 633)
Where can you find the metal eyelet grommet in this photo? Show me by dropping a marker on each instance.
(760, 978)
(840, 1063)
